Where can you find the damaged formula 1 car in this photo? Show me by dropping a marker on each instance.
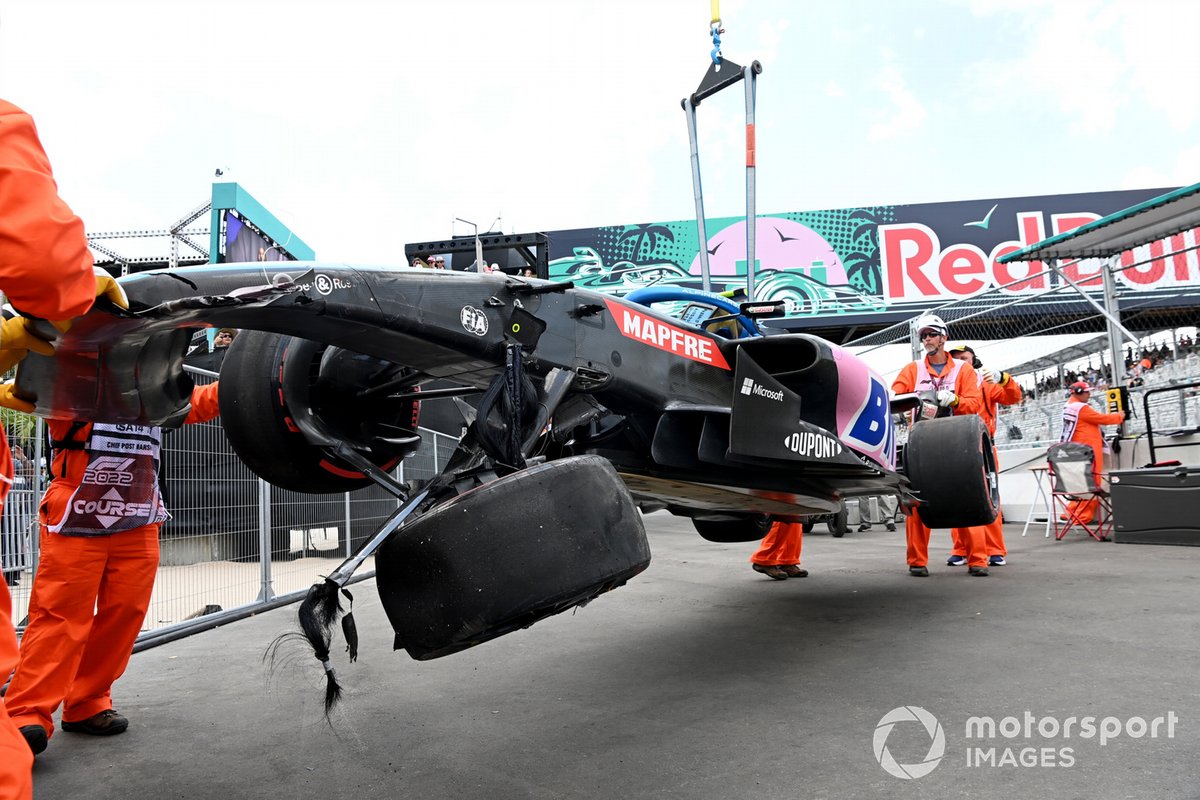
(586, 408)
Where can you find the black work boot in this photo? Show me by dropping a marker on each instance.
(36, 737)
(106, 723)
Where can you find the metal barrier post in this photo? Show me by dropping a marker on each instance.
(347, 523)
(266, 594)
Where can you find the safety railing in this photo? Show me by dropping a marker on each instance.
(234, 545)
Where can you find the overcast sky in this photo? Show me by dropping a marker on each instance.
(365, 125)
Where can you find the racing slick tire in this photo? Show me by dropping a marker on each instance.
(728, 531)
(268, 379)
(838, 523)
(509, 553)
(952, 468)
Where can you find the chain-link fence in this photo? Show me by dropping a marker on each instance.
(234, 544)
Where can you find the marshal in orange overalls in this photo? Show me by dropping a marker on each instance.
(100, 520)
(46, 271)
(959, 376)
(1005, 392)
(1081, 423)
(781, 546)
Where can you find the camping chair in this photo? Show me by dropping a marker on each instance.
(1071, 479)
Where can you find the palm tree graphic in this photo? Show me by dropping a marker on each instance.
(647, 234)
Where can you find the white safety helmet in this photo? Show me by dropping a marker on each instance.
(932, 322)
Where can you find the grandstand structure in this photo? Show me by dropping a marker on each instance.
(238, 228)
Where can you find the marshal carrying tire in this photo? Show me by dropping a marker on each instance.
(744, 529)
(268, 380)
(952, 468)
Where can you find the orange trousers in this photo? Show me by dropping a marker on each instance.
(1082, 511)
(16, 762)
(89, 600)
(918, 542)
(781, 546)
(993, 539)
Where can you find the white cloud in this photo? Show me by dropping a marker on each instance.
(903, 114)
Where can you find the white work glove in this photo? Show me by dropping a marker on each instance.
(992, 375)
(946, 398)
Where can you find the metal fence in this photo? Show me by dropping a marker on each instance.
(234, 544)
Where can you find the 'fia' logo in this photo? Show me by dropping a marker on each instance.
(474, 320)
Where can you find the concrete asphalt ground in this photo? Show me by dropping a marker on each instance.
(700, 679)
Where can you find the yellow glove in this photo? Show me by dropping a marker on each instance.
(10, 358)
(10, 400)
(16, 333)
(107, 286)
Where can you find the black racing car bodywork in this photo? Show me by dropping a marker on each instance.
(697, 412)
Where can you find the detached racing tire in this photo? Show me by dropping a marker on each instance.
(747, 529)
(509, 553)
(268, 380)
(838, 523)
(952, 468)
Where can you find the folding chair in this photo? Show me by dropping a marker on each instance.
(1072, 483)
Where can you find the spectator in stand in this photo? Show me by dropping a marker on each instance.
(224, 337)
